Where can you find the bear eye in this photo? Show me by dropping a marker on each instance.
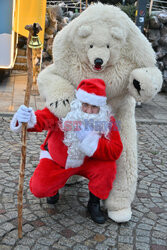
(108, 46)
(91, 46)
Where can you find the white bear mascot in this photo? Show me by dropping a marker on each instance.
(104, 43)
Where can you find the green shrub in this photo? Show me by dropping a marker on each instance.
(130, 10)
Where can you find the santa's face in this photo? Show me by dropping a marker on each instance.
(90, 109)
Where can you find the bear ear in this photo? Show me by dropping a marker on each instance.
(118, 34)
(84, 31)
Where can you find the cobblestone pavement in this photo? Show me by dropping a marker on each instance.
(67, 225)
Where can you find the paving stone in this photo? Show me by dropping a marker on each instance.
(4, 247)
(99, 237)
(34, 234)
(110, 242)
(144, 226)
(159, 242)
(27, 228)
(11, 215)
(45, 241)
(27, 241)
(40, 247)
(9, 241)
(161, 228)
(125, 246)
(125, 239)
(58, 247)
(67, 233)
(66, 242)
(158, 247)
(7, 226)
(3, 218)
(140, 232)
(2, 233)
(143, 239)
(141, 246)
(21, 247)
(102, 247)
(87, 233)
(126, 231)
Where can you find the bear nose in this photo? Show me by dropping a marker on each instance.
(98, 61)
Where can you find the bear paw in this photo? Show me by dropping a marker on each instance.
(144, 84)
(122, 215)
(60, 107)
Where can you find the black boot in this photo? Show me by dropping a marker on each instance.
(53, 199)
(94, 209)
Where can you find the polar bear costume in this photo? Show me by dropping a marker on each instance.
(104, 43)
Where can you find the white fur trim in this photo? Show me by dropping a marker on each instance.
(33, 120)
(73, 163)
(17, 128)
(45, 154)
(89, 145)
(13, 126)
(122, 215)
(92, 99)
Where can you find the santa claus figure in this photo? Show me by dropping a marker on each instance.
(86, 142)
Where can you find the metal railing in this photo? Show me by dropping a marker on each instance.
(73, 4)
(157, 5)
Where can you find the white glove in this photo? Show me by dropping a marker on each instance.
(23, 114)
(83, 132)
(88, 140)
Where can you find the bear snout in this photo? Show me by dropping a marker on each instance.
(98, 63)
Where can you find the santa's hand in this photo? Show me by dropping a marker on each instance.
(23, 114)
(83, 132)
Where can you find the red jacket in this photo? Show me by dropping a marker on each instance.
(107, 149)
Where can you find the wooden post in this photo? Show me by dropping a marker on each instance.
(150, 9)
(24, 133)
(80, 6)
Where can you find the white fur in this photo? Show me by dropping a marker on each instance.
(92, 99)
(84, 31)
(33, 120)
(73, 163)
(123, 215)
(129, 56)
(17, 128)
(13, 124)
(45, 155)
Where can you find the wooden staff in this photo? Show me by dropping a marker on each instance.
(24, 132)
(23, 139)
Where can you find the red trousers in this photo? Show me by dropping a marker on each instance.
(49, 177)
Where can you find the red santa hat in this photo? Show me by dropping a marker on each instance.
(92, 91)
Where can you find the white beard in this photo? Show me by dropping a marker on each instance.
(75, 156)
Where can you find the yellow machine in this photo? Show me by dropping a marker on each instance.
(14, 16)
